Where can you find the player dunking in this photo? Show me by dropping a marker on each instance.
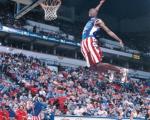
(89, 45)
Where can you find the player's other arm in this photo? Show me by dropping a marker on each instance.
(99, 5)
(102, 25)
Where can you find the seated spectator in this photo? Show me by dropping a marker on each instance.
(30, 89)
(21, 113)
(5, 114)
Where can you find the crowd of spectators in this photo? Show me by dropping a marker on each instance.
(58, 35)
(28, 88)
(7, 18)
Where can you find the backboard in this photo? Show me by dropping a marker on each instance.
(29, 5)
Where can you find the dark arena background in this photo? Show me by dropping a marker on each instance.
(43, 74)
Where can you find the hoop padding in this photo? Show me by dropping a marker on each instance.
(51, 12)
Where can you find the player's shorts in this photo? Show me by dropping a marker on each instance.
(91, 51)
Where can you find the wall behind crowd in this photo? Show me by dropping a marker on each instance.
(135, 25)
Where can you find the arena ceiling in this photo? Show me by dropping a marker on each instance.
(118, 8)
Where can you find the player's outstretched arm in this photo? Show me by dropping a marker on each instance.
(102, 25)
(100, 5)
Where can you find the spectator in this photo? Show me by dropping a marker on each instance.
(26, 81)
(21, 113)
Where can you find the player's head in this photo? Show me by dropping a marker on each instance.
(93, 12)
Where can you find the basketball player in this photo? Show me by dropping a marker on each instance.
(89, 45)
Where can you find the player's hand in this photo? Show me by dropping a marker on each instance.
(102, 1)
(121, 44)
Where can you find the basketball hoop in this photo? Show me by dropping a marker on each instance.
(50, 9)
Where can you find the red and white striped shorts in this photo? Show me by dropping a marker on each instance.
(36, 118)
(91, 51)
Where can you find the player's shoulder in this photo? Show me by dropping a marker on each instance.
(92, 18)
(99, 21)
(96, 19)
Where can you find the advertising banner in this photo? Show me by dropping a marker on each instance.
(90, 118)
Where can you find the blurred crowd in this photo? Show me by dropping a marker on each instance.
(7, 18)
(28, 89)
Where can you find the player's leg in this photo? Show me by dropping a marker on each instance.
(96, 55)
(85, 53)
(107, 66)
(95, 52)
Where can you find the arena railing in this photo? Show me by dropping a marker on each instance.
(91, 118)
(59, 41)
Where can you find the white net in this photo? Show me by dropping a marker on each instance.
(51, 12)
